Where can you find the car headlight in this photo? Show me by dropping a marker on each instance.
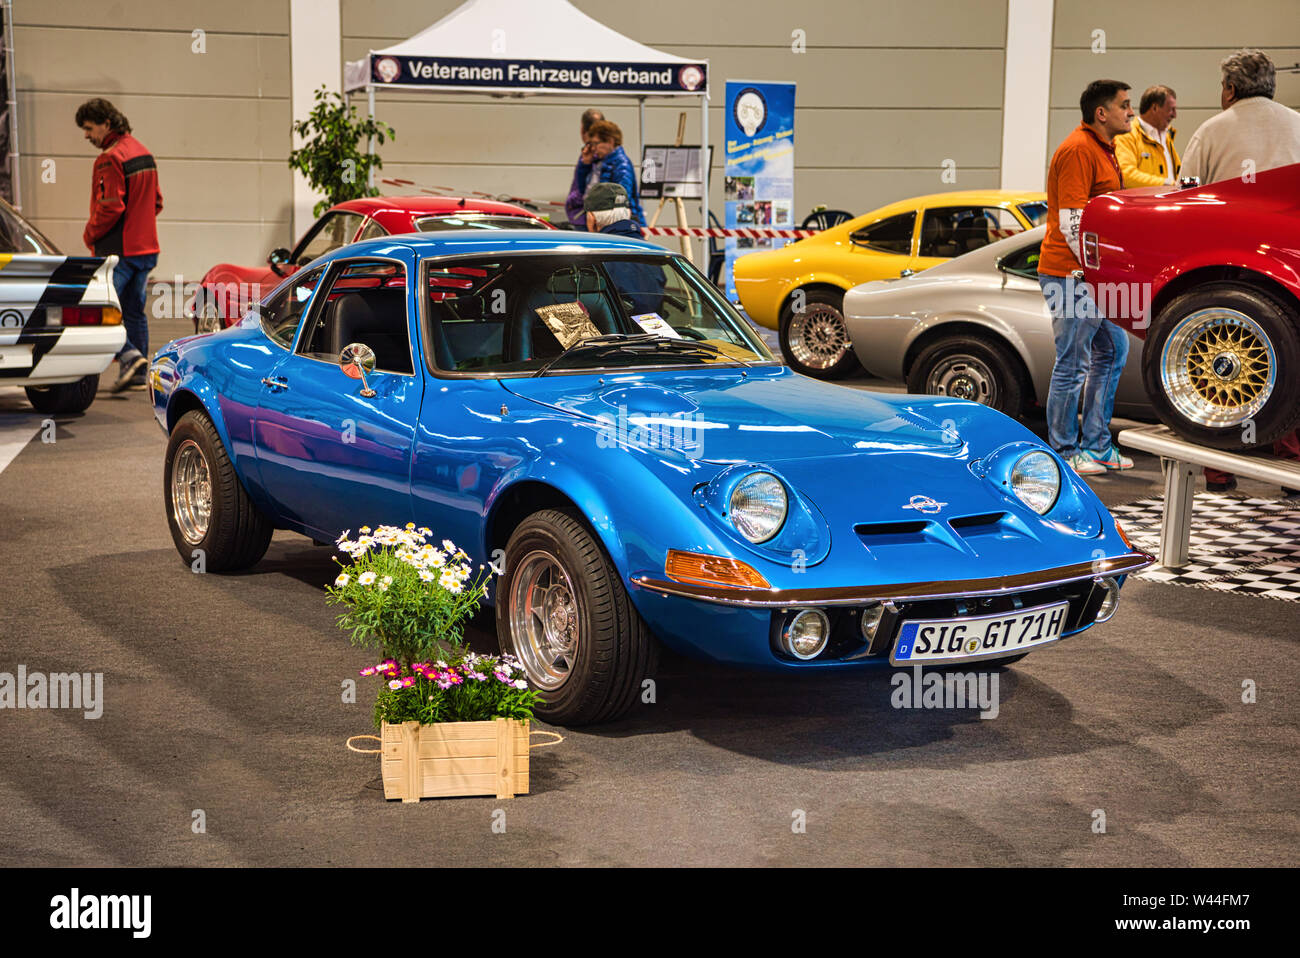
(1036, 481)
(758, 506)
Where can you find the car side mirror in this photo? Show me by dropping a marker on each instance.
(278, 258)
(356, 360)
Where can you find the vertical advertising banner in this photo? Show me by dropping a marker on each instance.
(759, 182)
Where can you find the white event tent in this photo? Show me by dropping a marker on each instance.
(540, 47)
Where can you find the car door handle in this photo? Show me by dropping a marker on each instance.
(276, 383)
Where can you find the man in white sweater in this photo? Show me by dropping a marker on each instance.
(1253, 133)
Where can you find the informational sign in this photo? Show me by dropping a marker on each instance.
(759, 184)
(509, 74)
(668, 171)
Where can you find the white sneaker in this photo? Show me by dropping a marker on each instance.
(1112, 458)
(1085, 465)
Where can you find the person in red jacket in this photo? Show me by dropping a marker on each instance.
(124, 205)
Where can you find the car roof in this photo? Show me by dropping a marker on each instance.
(429, 206)
(481, 242)
(955, 198)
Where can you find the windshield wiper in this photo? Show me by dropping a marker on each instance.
(640, 343)
(611, 342)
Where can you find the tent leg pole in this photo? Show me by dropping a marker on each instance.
(704, 169)
(370, 140)
(641, 117)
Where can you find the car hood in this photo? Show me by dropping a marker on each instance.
(762, 415)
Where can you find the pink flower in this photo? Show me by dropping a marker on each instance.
(395, 684)
(368, 670)
(407, 682)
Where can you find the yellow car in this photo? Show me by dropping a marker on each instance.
(799, 289)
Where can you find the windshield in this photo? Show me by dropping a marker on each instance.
(1035, 212)
(19, 236)
(468, 221)
(535, 313)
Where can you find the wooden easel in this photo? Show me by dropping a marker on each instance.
(684, 241)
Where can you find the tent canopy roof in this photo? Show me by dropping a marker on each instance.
(482, 35)
(541, 46)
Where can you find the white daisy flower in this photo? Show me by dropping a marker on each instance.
(449, 545)
(367, 578)
(385, 582)
(342, 580)
(427, 576)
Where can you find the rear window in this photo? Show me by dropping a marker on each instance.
(19, 236)
(434, 224)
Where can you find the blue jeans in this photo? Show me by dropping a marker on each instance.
(1089, 349)
(129, 278)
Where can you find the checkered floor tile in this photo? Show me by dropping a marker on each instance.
(1249, 546)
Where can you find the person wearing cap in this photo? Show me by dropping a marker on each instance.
(607, 211)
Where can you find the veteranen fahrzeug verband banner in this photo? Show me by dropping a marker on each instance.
(759, 187)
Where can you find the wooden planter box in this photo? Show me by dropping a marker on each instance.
(454, 758)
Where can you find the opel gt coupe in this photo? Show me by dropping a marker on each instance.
(586, 414)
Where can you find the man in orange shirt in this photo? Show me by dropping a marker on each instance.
(1089, 348)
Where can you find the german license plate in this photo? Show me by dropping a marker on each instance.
(978, 637)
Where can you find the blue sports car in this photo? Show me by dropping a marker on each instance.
(588, 415)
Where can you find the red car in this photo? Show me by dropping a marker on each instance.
(1210, 278)
(227, 290)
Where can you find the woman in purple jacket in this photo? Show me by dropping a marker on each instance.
(586, 173)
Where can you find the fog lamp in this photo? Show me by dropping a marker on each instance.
(870, 621)
(1109, 604)
(806, 634)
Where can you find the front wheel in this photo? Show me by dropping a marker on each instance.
(965, 366)
(64, 398)
(562, 610)
(815, 339)
(211, 517)
(1219, 366)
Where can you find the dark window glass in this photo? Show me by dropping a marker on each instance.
(949, 231)
(19, 236)
(468, 221)
(364, 303)
(1023, 262)
(283, 311)
(891, 235)
(1035, 212)
(517, 313)
(372, 231)
(330, 232)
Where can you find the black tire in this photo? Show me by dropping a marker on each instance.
(236, 534)
(1210, 323)
(65, 398)
(970, 366)
(818, 330)
(614, 653)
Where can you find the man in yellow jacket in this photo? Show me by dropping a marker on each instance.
(1146, 153)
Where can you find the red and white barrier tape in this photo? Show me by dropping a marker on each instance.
(696, 231)
(713, 231)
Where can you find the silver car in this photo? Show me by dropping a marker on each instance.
(975, 327)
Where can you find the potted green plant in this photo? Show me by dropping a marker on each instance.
(330, 157)
(451, 721)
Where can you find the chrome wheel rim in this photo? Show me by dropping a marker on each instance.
(1218, 367)
(963, 377)
(191, 492)
(818, 336)
(544, 620)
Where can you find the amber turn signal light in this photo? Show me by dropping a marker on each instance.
(1120, 529)
(702, 569)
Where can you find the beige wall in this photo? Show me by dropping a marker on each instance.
(217, 122)
(1178, 44)
(887, 90)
